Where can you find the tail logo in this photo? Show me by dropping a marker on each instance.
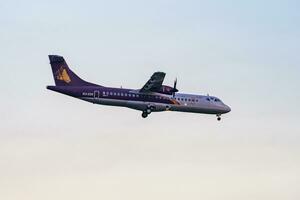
(63, 75)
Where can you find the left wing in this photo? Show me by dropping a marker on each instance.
(154, 83)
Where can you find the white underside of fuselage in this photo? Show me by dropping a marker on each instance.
(155, 107)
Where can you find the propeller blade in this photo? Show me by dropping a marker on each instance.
(174, 88)
(175, 83)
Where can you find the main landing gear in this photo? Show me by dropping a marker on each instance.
(219, 117)
(146, 112)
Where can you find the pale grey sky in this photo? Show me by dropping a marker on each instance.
(56, 147)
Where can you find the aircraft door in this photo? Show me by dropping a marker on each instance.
(96, 94)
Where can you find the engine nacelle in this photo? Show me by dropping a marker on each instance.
(167, 90)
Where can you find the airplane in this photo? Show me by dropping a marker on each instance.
(152, 97)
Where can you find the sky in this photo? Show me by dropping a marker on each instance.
(245, 52)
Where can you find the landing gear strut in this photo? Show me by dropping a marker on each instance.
(219, 117)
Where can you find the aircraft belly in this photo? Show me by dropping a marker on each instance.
(112, 102)
(109, 102)
(137, 105)
(193, 109)
(142, 105)
(156, 107)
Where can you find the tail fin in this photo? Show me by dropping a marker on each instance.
(63, 75)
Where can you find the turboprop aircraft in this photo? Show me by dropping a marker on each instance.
(152, 97)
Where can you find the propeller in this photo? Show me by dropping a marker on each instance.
(174, 88)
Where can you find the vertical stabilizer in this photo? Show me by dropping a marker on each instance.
(63, 75)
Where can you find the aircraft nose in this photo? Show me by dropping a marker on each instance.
(227, 109)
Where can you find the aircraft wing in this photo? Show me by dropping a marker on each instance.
(154, 83)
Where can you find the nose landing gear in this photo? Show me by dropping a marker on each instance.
(219, 117)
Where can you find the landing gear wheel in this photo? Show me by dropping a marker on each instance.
(219, 118)
(144, 114)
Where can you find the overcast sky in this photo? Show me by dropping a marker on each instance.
(56, 147)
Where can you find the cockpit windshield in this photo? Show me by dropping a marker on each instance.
(214, 99)
(217, 100)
